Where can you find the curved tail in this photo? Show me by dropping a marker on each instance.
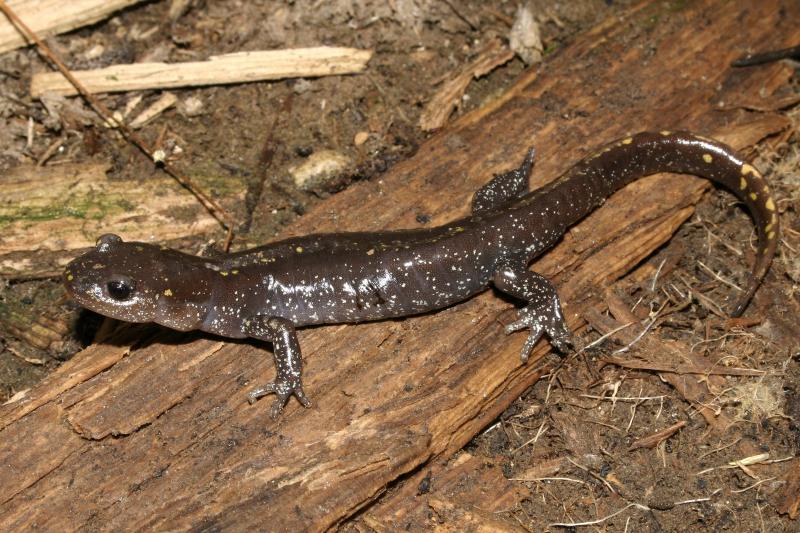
(642, 154)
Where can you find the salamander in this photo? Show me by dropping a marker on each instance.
(267, 292)
(749, 60)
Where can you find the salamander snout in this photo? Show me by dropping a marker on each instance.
(140, 282)
(109, 280)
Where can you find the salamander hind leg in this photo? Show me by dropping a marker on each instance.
(542, 314)
(288, 361)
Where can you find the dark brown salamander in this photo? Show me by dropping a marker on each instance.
(266, 292)
(749, 60)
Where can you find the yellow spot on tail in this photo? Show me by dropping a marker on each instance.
(167, 292)
(665, 132)
(234, 272)
(70, 277)
(770, 204)
(748, 169)
(707, 158)
(771, 235)
(768, 227)
(753, 196)
(224, 273)
(371, 251)
(627, 140)
(743, 184)
(299, 249)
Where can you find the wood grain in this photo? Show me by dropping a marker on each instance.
(239, 67)
(49, 214)
(163, 438)
(50, 17)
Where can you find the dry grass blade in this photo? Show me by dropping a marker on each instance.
(653, 440)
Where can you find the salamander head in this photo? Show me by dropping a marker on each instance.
(139, 282)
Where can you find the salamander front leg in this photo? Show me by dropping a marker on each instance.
(542, 314)
(288, 361)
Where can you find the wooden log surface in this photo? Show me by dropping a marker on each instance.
(44, 227)
(49, 17)
(159, 434)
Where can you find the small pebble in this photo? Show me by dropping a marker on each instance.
(318, 169)
(360, 138)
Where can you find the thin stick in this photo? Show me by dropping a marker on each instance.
(644, 331)
(541, 430)
(600, 520)
(635, 399)
(697, 500)
(754, 485)
(536, 479)
(236, 67)
(604, 337)
(718, 277)
(209, 203)
(654, 439)
(655, 277)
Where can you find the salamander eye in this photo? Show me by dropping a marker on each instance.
(104, 242)
(120, 289)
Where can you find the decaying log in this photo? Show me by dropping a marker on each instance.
(160, 435)
(218, 70)
(786, 498)
(49, 214)
(466, 485)
(450, 95)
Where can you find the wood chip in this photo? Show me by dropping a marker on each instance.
(787, 498)
(166, 101)
(51, 17)
(449, 96)
(653, 440)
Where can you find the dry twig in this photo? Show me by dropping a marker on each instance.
(651, 441)
(237, 67)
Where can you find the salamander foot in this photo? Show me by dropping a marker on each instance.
(288, 361)
(549, 322)
(542, 314)
(283, 390)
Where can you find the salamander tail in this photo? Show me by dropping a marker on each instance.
(625, 160)
(720, 163)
